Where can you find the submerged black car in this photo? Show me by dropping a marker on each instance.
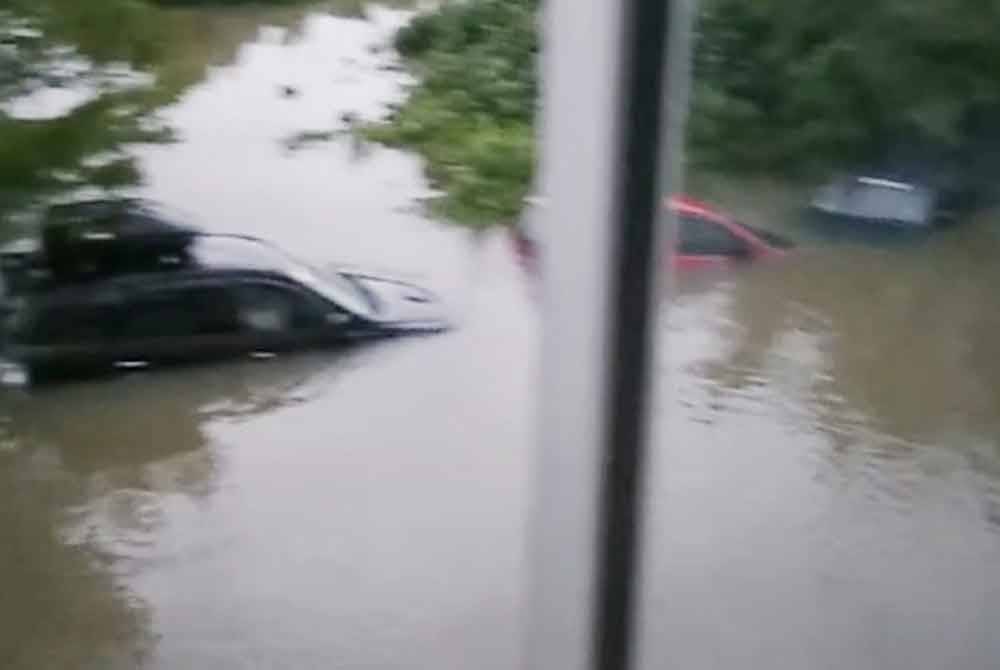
(121, 287)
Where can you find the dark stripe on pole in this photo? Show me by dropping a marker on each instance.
(637, 199)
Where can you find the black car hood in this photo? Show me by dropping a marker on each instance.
(402, 304)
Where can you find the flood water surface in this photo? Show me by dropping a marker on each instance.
(830, 434)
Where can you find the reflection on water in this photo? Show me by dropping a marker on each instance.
(60, 607)
(831, 461)
(830, 491)
(91, 473)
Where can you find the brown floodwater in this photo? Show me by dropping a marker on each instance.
(829, 427)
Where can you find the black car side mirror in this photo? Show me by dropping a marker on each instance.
(338, 318)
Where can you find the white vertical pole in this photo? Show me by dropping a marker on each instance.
(605, 120)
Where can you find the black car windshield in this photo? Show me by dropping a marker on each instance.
(233, 252)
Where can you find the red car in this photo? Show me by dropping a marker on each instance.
(705, 236)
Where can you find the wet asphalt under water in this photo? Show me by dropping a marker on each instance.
(829, 428)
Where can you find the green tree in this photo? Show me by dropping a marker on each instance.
(782, 86)
(472, 114)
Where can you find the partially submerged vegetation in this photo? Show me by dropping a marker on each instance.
(472, 114)
(121, 60)
(68, 45)
(785, 89)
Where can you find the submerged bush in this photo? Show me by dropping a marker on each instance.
(85, 145)
(472, 114)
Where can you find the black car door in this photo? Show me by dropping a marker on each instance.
(177, 323)
(279, 316)
(70, 338)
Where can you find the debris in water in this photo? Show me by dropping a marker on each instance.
(301, 139)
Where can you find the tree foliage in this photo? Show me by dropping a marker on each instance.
(781, 86)
(103, 30)
(472, 113)
(57, 43)
(46, 44)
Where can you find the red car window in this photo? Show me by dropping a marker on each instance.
(697, 236)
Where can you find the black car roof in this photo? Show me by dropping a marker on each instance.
(88, 211)
(134, 227)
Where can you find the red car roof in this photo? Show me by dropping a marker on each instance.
(683, 204)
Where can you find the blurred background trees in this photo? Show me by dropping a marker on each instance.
(787, 88)
(780, 86)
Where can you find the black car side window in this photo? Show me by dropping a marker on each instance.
(79, 323)
(180, 312)
(275, 308)
(700, 237)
